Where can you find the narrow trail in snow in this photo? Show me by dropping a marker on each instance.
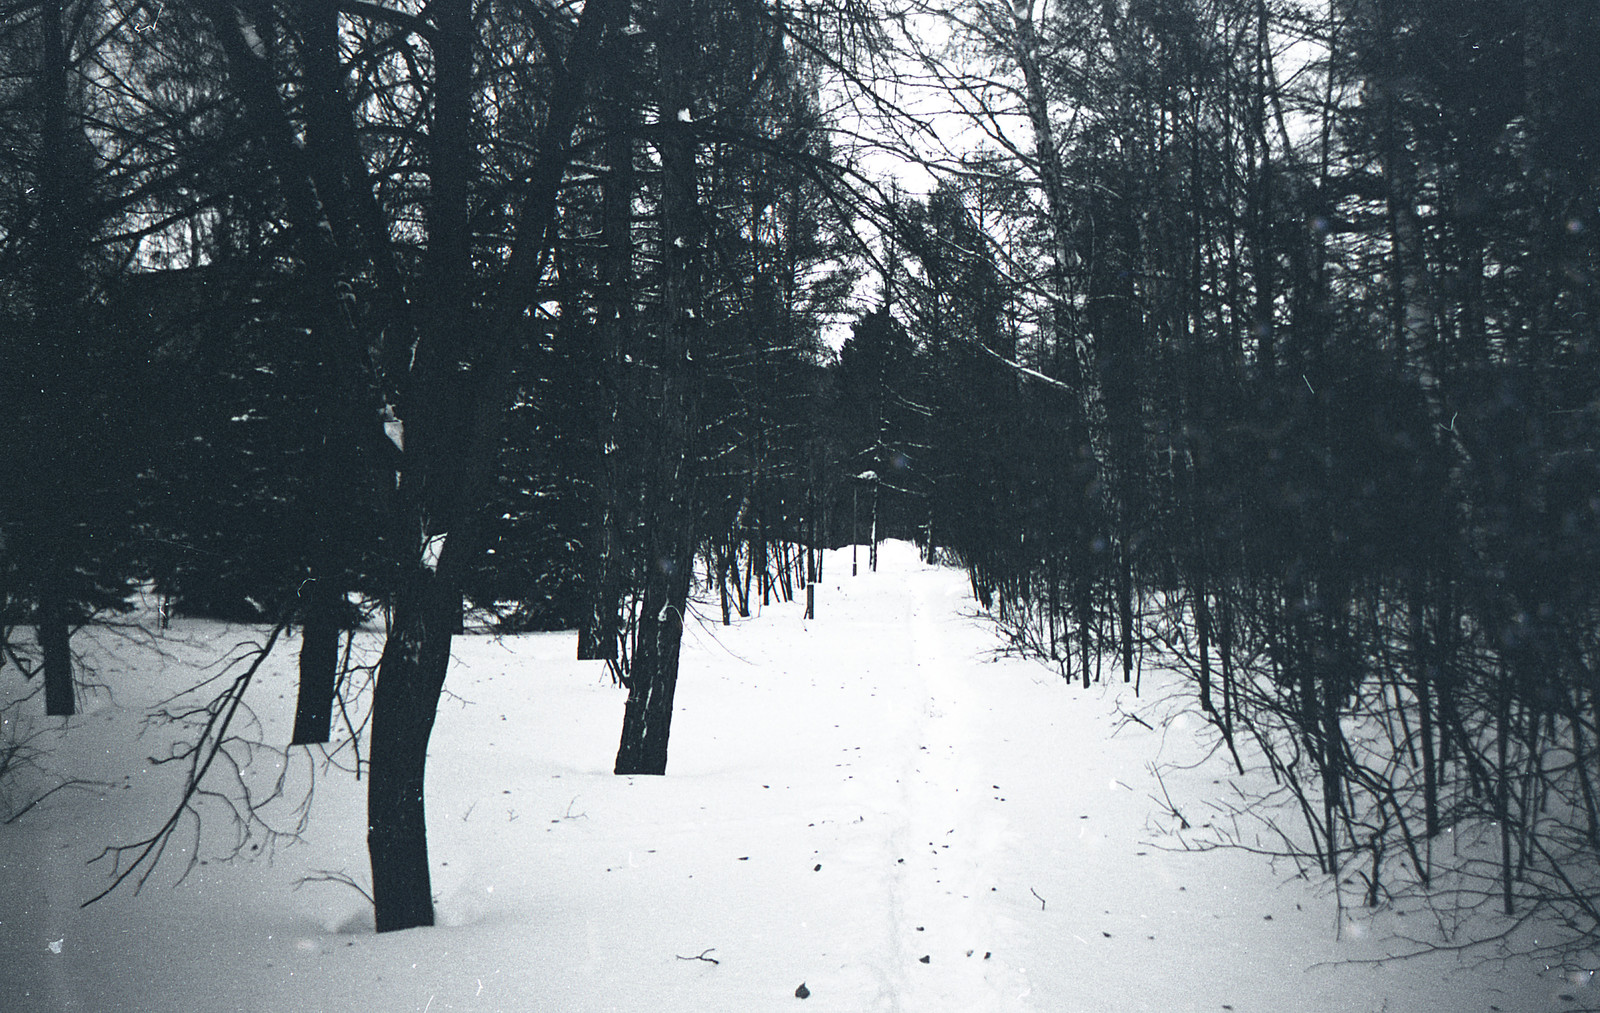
(951, 942)
(1029, 869)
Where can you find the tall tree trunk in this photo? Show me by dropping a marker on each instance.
(872, 551)
(449, 453)
(671, 491)
(749, 575)
(1225, 650)
(725, 559)
(598, 637)
(59, 487)
(1259, 216)
(337, 222)
(58, 286)
(763, 562)
(1582, 761)
(1085, 630)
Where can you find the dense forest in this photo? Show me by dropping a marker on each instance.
(1255, 338)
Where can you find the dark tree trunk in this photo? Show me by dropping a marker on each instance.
(872, 551)
(448, 456)
(1225, 650)
(1202, 621)
(55, 635)
(723, 566)
(451, 434)
(785, 571)
(742, 597)
(1422, 662)
(1085, 621)
(670, 493)
(1125, 612)
(319, 669)
(54, 386)
(653, 677)
(598, 638)
(404, 703)
(855, 525)
(1580, 749)
(321, 182)
(1502, 791)
(763, 564)
(754, 561)
(1259, 220)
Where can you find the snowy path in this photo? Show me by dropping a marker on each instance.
(953, 830)
(846, 798)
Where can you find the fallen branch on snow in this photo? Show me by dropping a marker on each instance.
(701, 956)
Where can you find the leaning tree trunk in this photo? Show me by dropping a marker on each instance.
(404, 703)
(448, 455)
(653, 675)
(670, 511)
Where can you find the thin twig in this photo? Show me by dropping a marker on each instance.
(342, 878)
(701, 956)
(74, 783)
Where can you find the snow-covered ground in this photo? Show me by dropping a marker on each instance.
(872, 804)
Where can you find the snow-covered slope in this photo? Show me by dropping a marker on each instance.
(872, 804)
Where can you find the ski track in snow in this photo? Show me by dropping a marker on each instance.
(946, 837)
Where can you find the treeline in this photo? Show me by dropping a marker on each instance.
(1264, 336)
